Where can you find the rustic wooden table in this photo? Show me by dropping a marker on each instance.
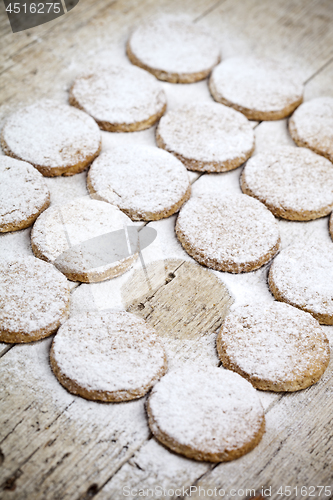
(57, 446)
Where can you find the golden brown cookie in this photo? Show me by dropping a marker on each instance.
(34, 300)
(232, 233)
(174, 50)
(207, 414)
(85, 239)
(311, 126)
(262, 89)
(55, 138)
(302, 275)
(23, 194)
(107, 356)
(274, 346)
(144, 182)
(120, 98)
(294, 183)
(206, 136)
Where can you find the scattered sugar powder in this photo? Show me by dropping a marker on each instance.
(109, 351)
(289, 179)
(257, 84)
(303, 276)
(119, 95)
(274, 342)
(228, 230)
(207, 132)
(174, 46)
(53, 135)
(142, 181)
(212, 410)
(312, 125)
(33, 296)
(23, 193)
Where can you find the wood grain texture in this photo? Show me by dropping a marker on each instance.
(56, 445)
(53, 445)
(297, 32)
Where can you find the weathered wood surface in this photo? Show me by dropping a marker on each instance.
(73, 445)
(54, 445)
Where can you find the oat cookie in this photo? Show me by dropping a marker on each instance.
(144, 182)
(274, 346)
(311, 126)
(262, 89)
(55, 138)
(302, 275)
(211, 414)
(294, 183)
(206, 136)
(107, 356)
(34, 300)
(23, 194)
(65, 227)
(174, 50)
(120, 99)
(331, 226)
(232, 233)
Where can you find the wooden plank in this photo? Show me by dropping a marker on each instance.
(321, 84)
(53, 444)
(297, 32)
(295, 450)
(56, 445)
(60, 54)
(47, 63)
(154, 466)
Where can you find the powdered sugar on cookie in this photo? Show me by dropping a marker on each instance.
(23, 194)
(302, 275)
(311, 126)
(206, 136)
(294, 183)
(275, 346)
(231, 233)
(120, 96)
(259, 88)
(146, 183)
(62, 227)
(173, 49)
(34, 299)
(112, 355)
(56, 138)
(210, 414)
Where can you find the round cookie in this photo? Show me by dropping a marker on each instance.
(55, 138)
(294, 183)
(274, 346)
(107, 356)
(144, 182)
(120, 99)
(262, 89)
(207, 414)
(331, 225)
(311, 126)
(34, 300)
(71, 237)
(206, 136)
(233, 233)
(23, 194)
(174, 50)
(302, 275)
